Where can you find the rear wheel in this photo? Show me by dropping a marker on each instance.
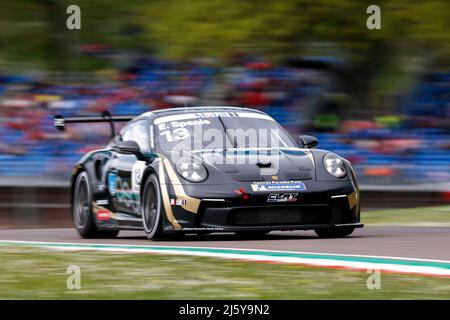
(152, 208)
(334, 232)
(82, 211)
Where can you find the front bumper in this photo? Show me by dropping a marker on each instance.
(312, 210)
(298, 217)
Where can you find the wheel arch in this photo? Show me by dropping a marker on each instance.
(148, 171)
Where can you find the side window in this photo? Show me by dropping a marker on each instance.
(138, 132)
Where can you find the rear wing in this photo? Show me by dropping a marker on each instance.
(60, 122)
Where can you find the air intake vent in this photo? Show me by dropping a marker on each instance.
(292, 215)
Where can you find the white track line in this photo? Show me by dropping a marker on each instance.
(390, 264)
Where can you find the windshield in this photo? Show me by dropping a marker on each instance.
(219, 130)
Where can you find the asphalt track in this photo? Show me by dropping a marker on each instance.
(403, 242)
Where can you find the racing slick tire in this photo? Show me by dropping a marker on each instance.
(339, 232)
(82, 210)
(152, 208)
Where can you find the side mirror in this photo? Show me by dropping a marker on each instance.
(308, 141)
(129, 147)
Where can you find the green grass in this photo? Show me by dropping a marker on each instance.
(30, 273)
(425, 216)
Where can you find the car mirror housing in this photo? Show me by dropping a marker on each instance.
(308, 141)
(129, 147)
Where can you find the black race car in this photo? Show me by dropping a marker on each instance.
(210, 169)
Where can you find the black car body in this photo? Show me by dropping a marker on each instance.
(154, 175)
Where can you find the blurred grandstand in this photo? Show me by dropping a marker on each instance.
(408, 148)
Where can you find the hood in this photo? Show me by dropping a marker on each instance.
(261, 164)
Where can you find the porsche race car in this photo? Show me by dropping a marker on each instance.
(209, 169)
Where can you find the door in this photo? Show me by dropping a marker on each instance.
(125, 174)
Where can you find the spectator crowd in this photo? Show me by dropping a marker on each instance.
(411, 145)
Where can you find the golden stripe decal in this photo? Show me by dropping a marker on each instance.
(352, 199)
(166, 201)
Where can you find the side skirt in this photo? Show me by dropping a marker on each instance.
(120, 221)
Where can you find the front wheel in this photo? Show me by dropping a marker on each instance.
(152, 208)
(339, 232)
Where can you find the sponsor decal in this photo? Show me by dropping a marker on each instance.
(216, 114)
(136, 175)
(126, 196)
(102, 202)
(282, 197)
(204, 229)
(278, 186)
(212, 114)
(122, 192)
(178, 202)
(182, 124)
(102, 214)
(112, 177)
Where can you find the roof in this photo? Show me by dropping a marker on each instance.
(197, 109)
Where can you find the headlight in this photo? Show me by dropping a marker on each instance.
(192, 170)
(334, 165)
